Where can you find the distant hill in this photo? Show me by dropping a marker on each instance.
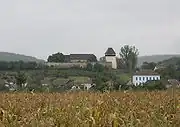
(172, 61)
(155, 58)
(5, 56)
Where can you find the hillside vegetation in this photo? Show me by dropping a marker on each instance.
(154, 58)
(171, 61)
(5, 56)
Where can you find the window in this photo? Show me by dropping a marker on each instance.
(136, 78)
(143, 78)
(150, 78)
(147, 78)
(140, 78)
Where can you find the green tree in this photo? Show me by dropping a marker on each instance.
(129, 55)
(154, 85)
(58, 57)
(147, 65)
(2, 85)
(98, 68)
(89, 67)
(20, 79)
(169, 72)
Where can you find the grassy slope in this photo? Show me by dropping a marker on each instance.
(5, 56)
(154, 58)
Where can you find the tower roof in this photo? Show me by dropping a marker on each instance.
(110, 52)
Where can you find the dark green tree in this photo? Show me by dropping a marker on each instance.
(89, 67)
(20, 79)
(129, 55)
(2, 85)
(154, 85)
(98, 68)
(58, 57)
(147, 65)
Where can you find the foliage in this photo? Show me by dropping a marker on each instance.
(135, 109)
(8, 57)
(20, 65)
(154, 85)
(89, 67)
(2, 85)
(57, 57)
(149, 66)
(170, 72)
(129, 55)
(98, 68)
(20, 79)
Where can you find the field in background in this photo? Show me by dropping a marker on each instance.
(130, 109)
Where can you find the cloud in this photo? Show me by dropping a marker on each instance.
(42, 27)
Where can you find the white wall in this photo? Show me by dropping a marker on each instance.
(141, 79)
(113, 60)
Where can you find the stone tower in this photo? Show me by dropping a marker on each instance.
(110, 56)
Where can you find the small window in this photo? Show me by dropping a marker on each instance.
(143, 78)
(147, 78)
(136, 78)
(140, 78)
(154, 78)
(150, 78)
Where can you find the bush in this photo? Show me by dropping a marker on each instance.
(154, 85)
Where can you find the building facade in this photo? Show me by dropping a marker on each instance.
(141, 78)
(110, 56)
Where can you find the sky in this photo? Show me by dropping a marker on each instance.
(42, 27)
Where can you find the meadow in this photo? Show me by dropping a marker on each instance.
(83, 109)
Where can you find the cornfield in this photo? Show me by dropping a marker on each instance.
(83, 109)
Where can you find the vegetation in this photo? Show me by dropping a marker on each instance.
(137, 106)
(20, 65)
(154, 58)
(129, 55)
(9, 57)
(57, 57)
(41, 78)
(20, 80)
(172, 61)
(149, 66)
(133, 109)
(152, 86)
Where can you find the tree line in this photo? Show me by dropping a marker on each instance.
(20, 65)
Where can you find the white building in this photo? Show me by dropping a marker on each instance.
(142, 77)
(110, 56)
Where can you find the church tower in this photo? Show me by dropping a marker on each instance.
(110, 56)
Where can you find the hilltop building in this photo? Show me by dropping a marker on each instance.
(74, 60)
(81, 60)
(110, 57)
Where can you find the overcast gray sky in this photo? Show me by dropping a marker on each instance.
(42, 27)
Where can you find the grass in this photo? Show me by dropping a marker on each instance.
(124, 77)
(83, 109)
(79, 79)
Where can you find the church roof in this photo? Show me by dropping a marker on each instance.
(146, 72)
(110, 52)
